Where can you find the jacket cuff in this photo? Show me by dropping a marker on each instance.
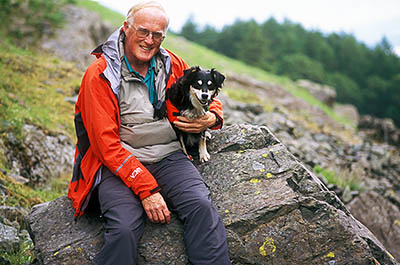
(144, 194)
(218, 123)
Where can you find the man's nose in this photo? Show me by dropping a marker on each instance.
(149, 38)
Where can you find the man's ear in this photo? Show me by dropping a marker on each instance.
(218, 77)
(126, 25)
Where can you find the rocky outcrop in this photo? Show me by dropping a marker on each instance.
(83, 31)
(383, 130)
(275, 211)
(356, 161)
(37, 156)
(347, 110)
(324, 93)
(385, 223)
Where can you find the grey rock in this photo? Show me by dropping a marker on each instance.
(324, 93)
(384, 223)
(40, 155)
(380, 129)
(12, 214)
(347, 110)
(84, 30)
(277, 212)
(9, 240)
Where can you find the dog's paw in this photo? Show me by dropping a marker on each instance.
(204, 157)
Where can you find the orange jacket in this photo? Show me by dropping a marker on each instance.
(97, 124)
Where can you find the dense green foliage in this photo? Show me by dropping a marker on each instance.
(367, 77)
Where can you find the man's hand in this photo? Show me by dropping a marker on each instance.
(156, 208)
(197, 125)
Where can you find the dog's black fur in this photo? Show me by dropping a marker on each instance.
(191, 95)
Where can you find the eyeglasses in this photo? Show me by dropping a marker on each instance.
(142, 33)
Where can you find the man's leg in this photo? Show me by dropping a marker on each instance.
(186, 193)
(123, 214)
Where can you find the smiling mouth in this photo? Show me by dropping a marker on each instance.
(146, 48)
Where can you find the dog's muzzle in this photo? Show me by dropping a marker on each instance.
(204, 99)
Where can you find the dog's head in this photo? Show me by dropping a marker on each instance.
(204, 85)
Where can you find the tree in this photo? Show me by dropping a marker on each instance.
(189, 30)
(347, 90)
(300, 66)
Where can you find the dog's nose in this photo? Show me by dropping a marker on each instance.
(204, 96)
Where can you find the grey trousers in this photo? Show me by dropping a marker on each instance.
(185, 193)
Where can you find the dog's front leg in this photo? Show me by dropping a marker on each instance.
(183, 145)
(204, 155)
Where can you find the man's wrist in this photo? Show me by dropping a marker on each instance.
(217, 121)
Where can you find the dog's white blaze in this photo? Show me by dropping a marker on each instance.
(209, 82)
(198, 110)
(200, 82)
(199, 94)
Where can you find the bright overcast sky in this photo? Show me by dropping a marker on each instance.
(367, 20)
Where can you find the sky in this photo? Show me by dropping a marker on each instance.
(368, 20)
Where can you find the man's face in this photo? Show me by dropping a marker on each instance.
(142, 49)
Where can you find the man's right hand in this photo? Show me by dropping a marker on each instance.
(156, 208)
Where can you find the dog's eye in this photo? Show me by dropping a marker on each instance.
(200, 82)
(209, 82)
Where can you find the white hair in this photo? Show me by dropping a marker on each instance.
(145, 4)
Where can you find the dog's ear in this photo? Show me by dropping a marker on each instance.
(218, 77)
(188, 75)
(191, 70)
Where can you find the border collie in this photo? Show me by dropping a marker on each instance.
(191, 95)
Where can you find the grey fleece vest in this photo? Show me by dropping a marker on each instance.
(148, 139)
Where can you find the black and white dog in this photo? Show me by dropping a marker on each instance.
(191, 95)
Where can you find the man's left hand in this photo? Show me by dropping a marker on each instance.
(198, 125)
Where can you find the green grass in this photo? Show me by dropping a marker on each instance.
(343, 180)
(105, 13)
(19, 195)
(32, 90)
(25, 254)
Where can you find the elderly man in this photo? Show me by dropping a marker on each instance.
(128, 158)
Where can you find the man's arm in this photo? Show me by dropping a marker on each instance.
(198, 125)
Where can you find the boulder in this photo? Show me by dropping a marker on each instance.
(324, 93)
(84, 30)
(347, 110)
(381, 216)
(39, 156)
(380, 129)
(274, 209)
(9, 240)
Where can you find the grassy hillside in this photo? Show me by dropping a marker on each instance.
(195, 54)
(32, 90)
